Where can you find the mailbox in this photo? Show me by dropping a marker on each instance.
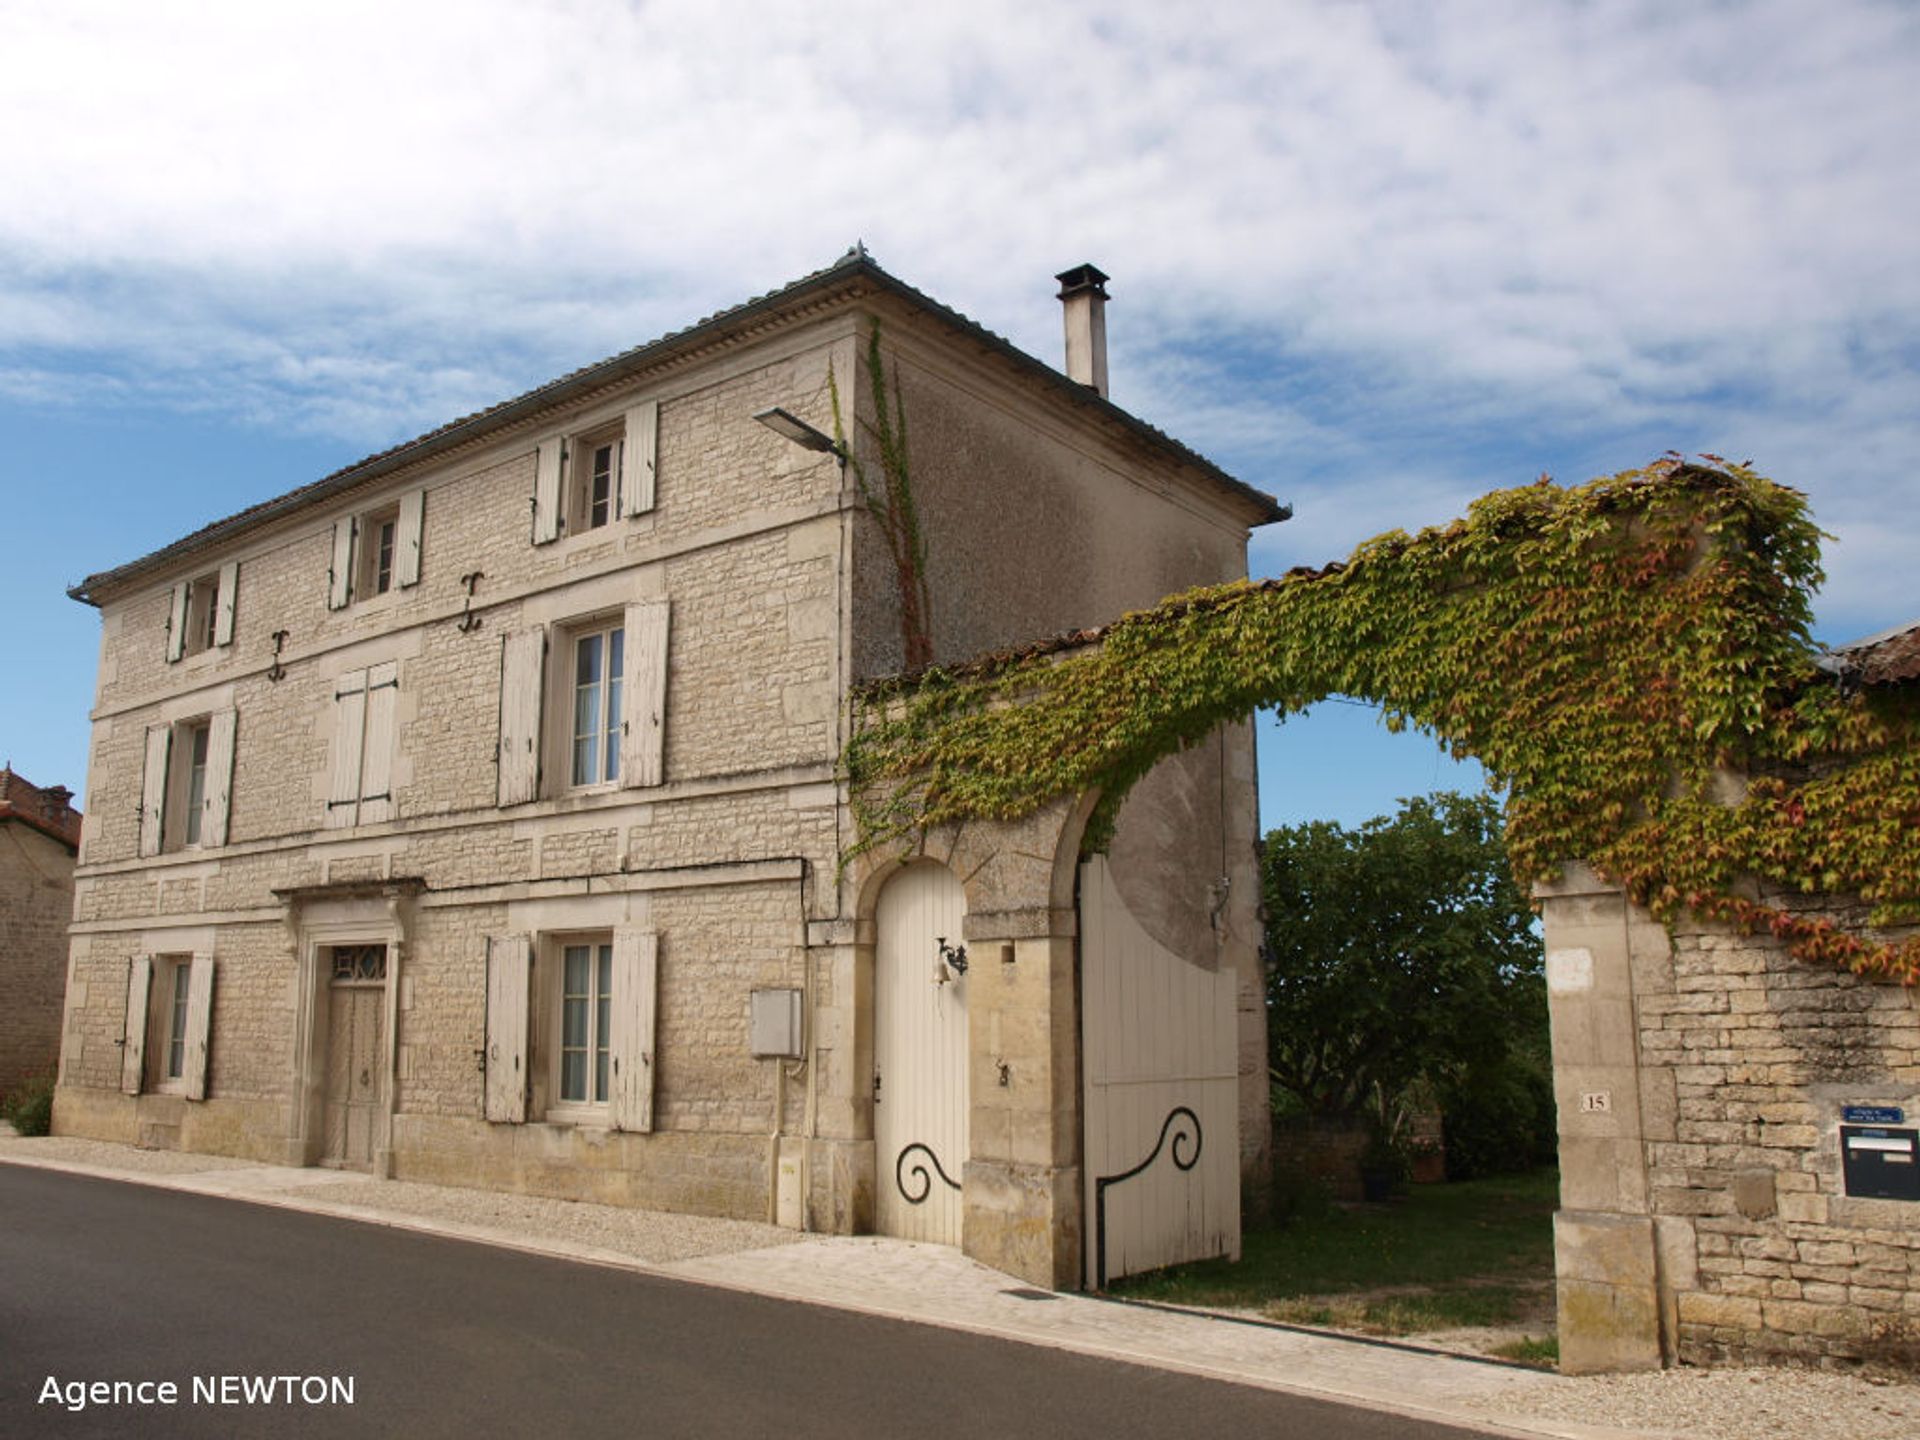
(1880, 1162)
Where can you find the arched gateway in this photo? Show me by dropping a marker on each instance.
(1630, 661)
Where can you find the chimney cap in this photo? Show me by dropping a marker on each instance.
(1082, 277)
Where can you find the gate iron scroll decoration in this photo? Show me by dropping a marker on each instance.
(1179, 1112)
(920, 1174)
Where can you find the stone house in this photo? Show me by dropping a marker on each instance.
(39, 836)
(473, 814)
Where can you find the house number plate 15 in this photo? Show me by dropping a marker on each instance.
(1596, 1102)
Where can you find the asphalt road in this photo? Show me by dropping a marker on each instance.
(102, 1281)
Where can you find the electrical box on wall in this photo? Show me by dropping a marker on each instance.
(775, 1025)
(1879, 1162)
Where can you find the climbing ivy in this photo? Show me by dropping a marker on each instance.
(1629, 659)
(891, 500)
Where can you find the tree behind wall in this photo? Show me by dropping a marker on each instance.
(1403, 963)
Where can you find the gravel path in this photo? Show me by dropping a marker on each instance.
(1725, 1405)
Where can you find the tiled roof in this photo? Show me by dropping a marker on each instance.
(48, 811)
(855, 265)
(1883, 659)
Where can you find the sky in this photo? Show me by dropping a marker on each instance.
(1376, 259)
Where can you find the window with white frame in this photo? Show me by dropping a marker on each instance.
(360, 755)
(585, 1012)
(570, 1027)
(596, 679)
(376, 551)
(584, 706)
(589, 479)
(200, 616)
(168, 1025)
(186, 789)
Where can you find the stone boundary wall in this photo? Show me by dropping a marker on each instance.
(1701, 1079)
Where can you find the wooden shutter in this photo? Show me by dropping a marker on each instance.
(641, 453)
(376, 759)
(340, 576)
(522, 667)
(177, 621)
(153, 789)
(546, 492)
(509, 969)
(349, 743)
(636, 966)
(199, 1026)
(218, 803)
(406, 538)
(643, 726)
(224, 603)
(133, 1034)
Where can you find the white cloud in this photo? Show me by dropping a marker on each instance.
(1593, 223)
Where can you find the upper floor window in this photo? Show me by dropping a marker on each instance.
(596, 705)
(585, 706)
(590, 479)
(360, 763)
(186, 787)
(376, 552)
(201, 615)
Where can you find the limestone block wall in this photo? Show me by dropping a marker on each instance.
(36, 904)
(1701, 1079)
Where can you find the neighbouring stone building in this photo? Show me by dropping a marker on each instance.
(473, 814)
(1739, 1131)
(39, 836)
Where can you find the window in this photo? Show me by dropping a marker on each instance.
(173, 1049)
(377, 535)
(185, 792)
(360, 765)
(376, 552)
(586, 481)
(596, 706)
(201, 616)
(168, 1021)
(586, 709)
(570, 1037)
(586, 1005)
(190, 745)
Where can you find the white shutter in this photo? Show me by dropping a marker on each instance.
(636, 966)
(406, 540)
(133, 1035)
(219, 785)
(509, 967)
(177, 621)
(224, 603)
(376, 762)
(641, 454)
(546, 492)
(643, 726)
(522, 667)
(349, 743)
(340, 576)
(153, 789)
(199, 1026)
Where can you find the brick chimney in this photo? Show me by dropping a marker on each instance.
(1083, 300)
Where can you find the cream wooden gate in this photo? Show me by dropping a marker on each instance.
(919, 1056)
(356, 1055)
(1161, 1071)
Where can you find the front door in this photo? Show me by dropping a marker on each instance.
(920, 1055)
(356, 1054)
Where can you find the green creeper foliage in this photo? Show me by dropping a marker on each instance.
(1617, 655)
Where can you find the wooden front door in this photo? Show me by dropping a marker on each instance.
(920, 1056)
(356, 1054)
